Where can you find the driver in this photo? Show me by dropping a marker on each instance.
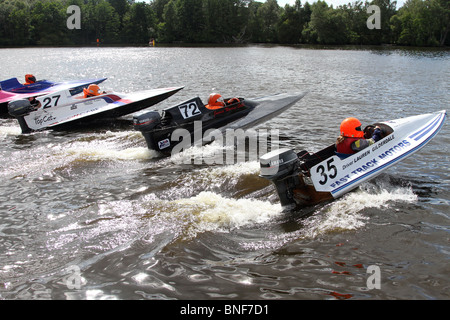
(92, 91)
(215, 101)
(29, 79)
(352, 139)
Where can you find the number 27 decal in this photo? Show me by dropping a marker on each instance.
(329, 172)
(51, 102)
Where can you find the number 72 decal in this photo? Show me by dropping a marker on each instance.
(189, 110)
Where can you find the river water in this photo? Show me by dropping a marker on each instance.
(93, 214)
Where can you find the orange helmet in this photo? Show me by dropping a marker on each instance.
(215, 101)
(351, 127)
(92, 90)
(29, 79)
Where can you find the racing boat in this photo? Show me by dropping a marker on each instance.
(304, 179)
(191, 122)
(12, 89)
(64, 109)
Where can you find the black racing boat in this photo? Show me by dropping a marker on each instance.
(192, 121)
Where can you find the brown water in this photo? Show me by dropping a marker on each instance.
(93, 214)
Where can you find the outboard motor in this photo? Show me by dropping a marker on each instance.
(282, 168)
(19, 109)
(145, 123)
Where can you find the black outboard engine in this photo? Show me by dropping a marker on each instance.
(145, 123)
(282, 168)
(19, 109)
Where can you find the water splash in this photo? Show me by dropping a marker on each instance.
(103, 146)
(215, 212)
(211, 153)
(105, 153)
(348, 213)
(6, 130)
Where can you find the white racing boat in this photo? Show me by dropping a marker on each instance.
(64, 109)
(12, 89)
(304, 179)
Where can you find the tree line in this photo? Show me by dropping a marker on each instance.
(117, 22)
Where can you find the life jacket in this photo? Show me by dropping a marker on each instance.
(345, 146)
(211, 107)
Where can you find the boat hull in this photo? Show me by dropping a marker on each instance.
(206, 125)
(370, 162)
(62, 111)
(333, 176)
(13, 90)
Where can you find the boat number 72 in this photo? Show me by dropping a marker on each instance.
(189, 110)
(51, 102)
(329, 172)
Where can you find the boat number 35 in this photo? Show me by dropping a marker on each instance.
(189, 110)
(329, 172)
(51, 102)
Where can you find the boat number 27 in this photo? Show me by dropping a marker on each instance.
(51, 102)
(329, 172)
(189, 110)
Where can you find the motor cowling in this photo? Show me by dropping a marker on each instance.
(281, 168)
(278, 164)
(146, 121)
(19, 108)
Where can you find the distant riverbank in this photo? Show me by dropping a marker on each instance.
(55, 23)
(382, 47)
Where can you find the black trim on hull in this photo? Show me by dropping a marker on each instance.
(158, 129)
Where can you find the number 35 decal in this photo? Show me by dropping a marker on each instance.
(329, 172)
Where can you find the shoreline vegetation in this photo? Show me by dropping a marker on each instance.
(41, 23)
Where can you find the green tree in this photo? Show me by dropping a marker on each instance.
(43, 22)
(290, 25)
(327, 25)
(355, 22)
(225, 20)
(269, 13)
(120, 6)
(387, 10)
(167, 30)
(254, 22)
(158, 9)
(48, 23)
(441, 13)
(422, 23)
(139, 24)
(190, 22)
(15, 23)
(100, 21)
